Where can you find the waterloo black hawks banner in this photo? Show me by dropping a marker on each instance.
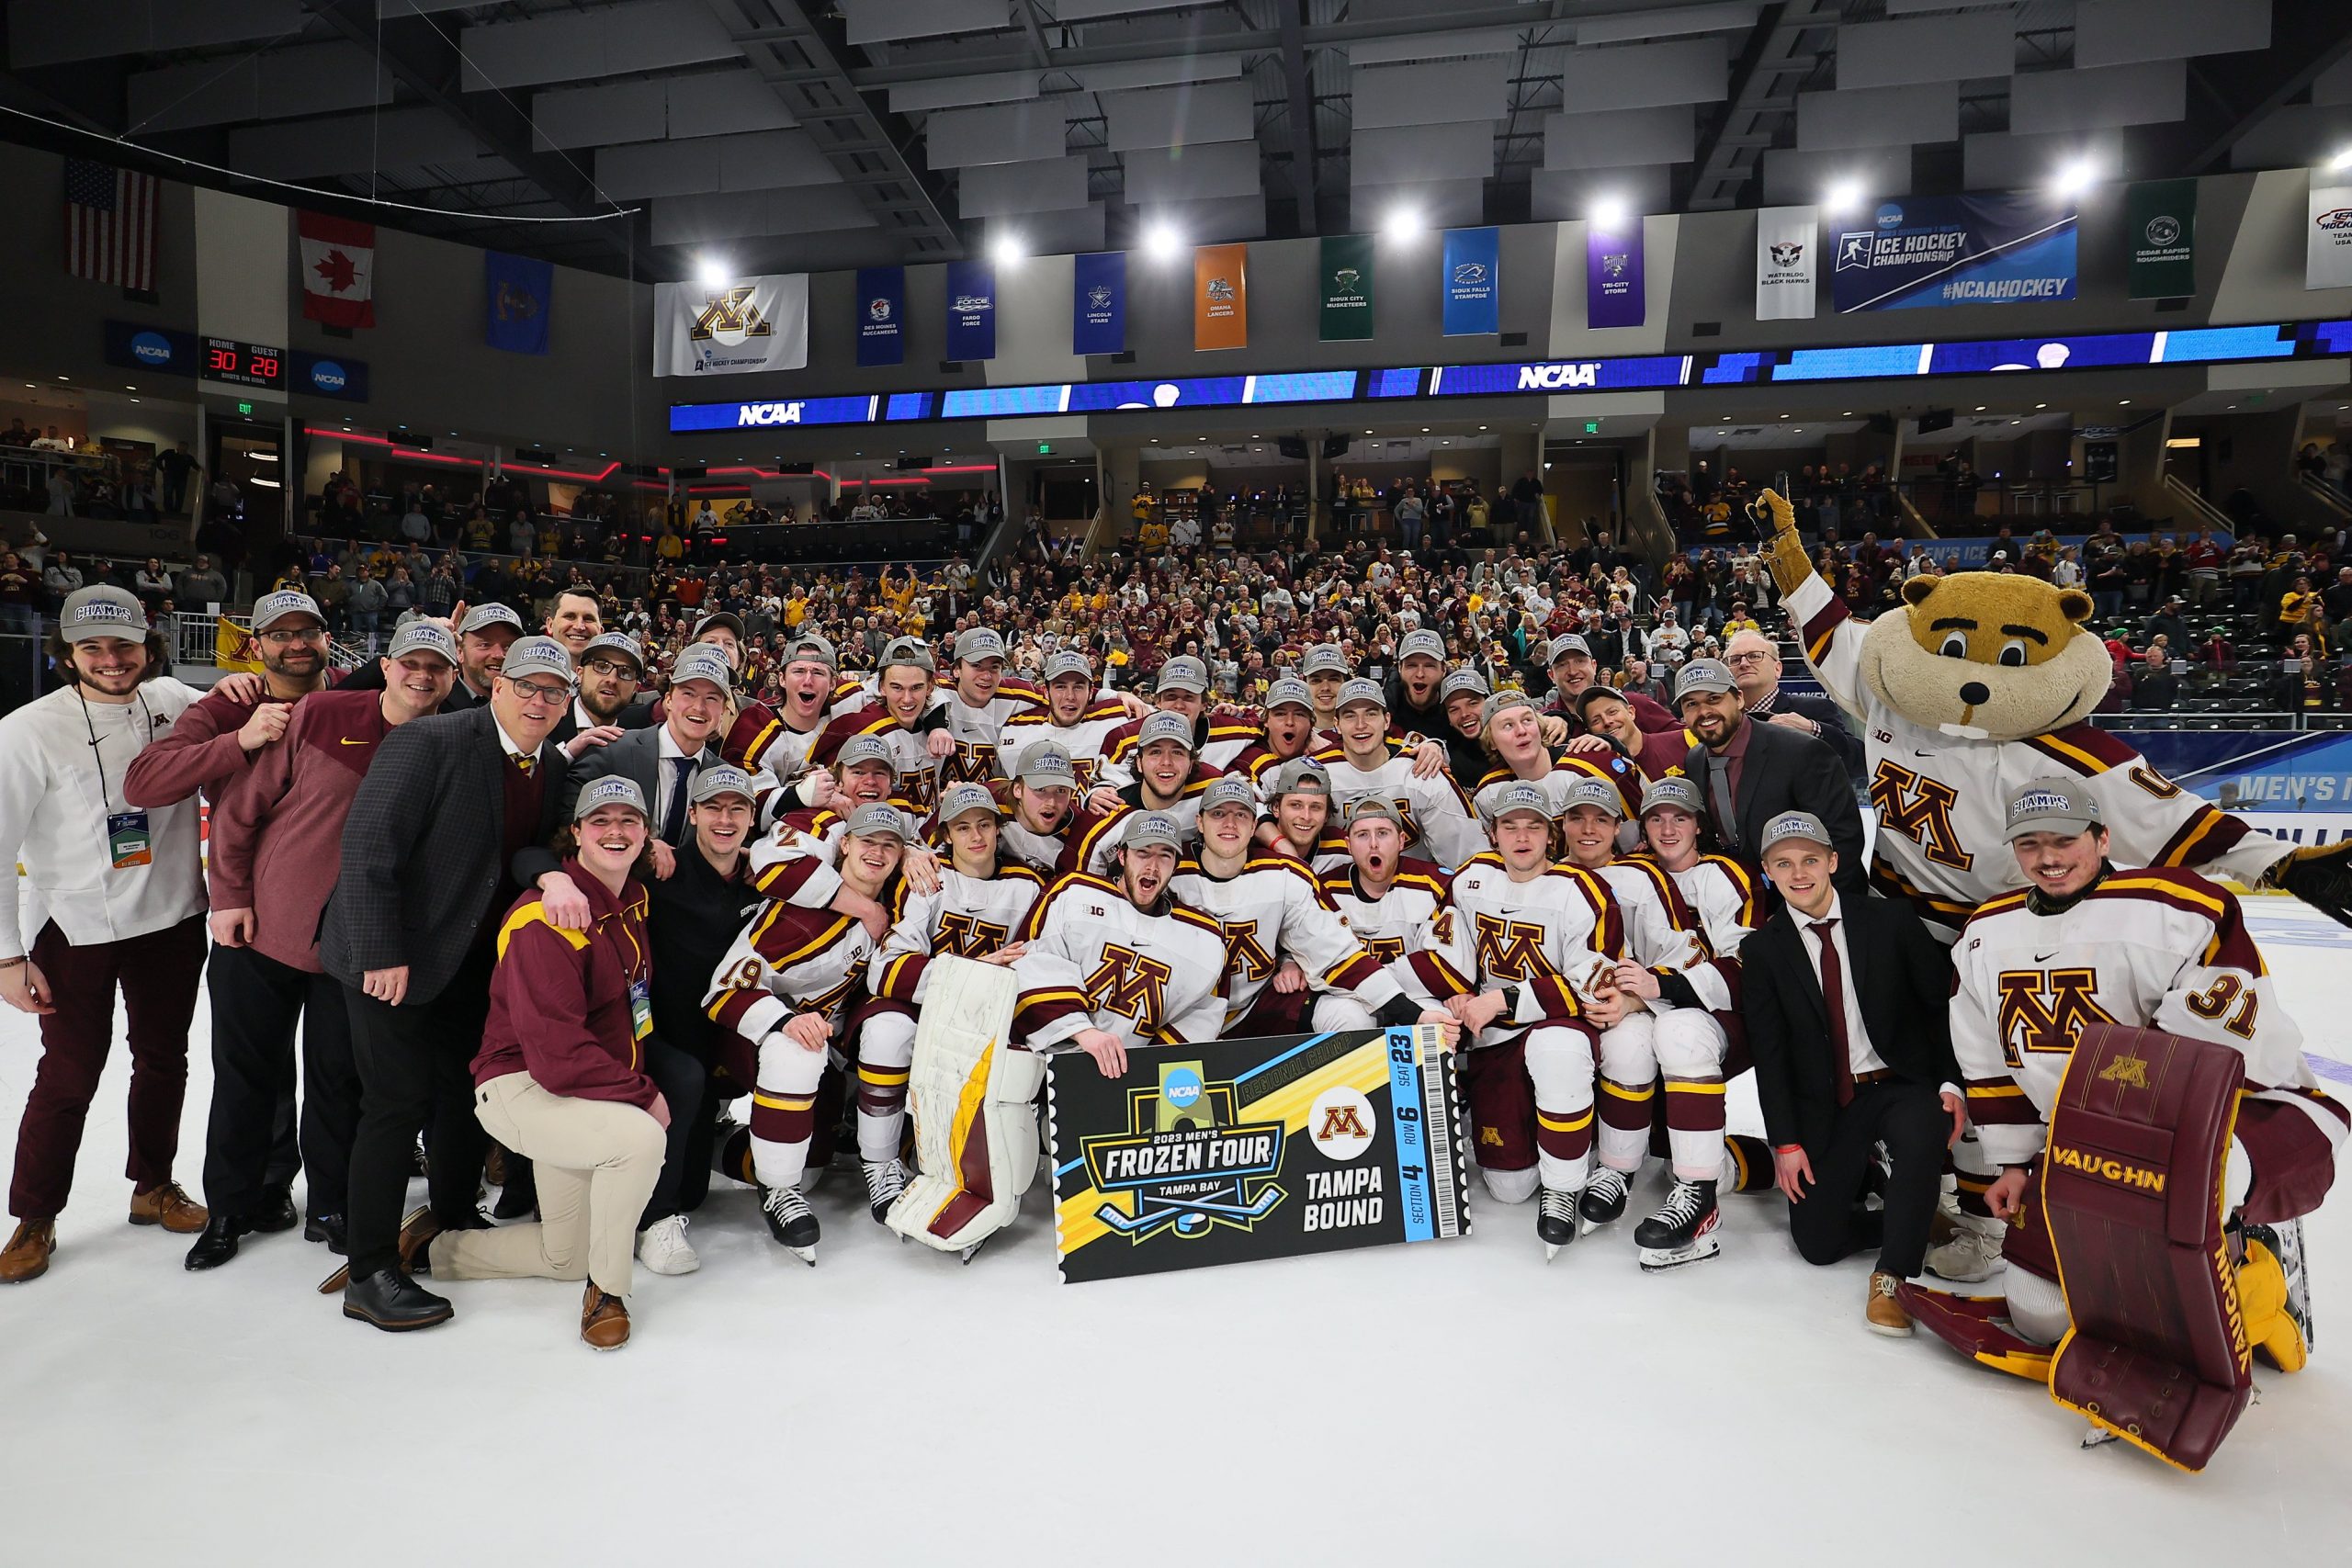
(1243, 1149)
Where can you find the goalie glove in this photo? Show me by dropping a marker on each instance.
(1776, 522)
(2320, 874)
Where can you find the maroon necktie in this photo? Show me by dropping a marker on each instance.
(1833, 997)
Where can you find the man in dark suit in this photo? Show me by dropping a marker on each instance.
(428, 874)
(1844, 996)
(1753, 661)
(661, 759)
(611, 672)
(1750, 772)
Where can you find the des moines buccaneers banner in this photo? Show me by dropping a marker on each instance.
(1243, 1149)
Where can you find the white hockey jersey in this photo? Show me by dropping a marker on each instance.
(1219, 742)
(1659, 931)
(1438, 823)
(1083, 740)
(1719, 898)
(1272, 909)
(1398, 922)
(1094, 960)
(788, 960)
(1556, 936)
(918, 771)
(967, 917)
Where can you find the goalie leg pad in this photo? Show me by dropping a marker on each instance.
(1973, 1326)
(2131, 1186)
(971, 1092)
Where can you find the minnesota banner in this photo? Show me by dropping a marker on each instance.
(742, 326)
(1220, 296)
(2159, 225)
(516, 291)
(233, 647)
(1346, 314)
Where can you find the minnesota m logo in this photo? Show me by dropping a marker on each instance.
(1920, 810)
(2046, 1010)
(965, 937)
(1384, 949)
(1132, 985)
(732, 313)
(1510, 950)
(1245, 955)
(1342, 1121)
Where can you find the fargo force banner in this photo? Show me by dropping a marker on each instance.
(1614, 294)
(1787, 244)
(2159, 225)
(971, 310)
(881, 315)
(750, 324)
(1098, 307)
(1474, 293)
(2328, 255)
(1955, 250)
(1243, 1149)
(1346, 312)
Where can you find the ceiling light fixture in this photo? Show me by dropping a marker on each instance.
(712, 272)
(1404, 221)
(1006, 249)
(2341, 162)
(1609, 214)
(2075, 178)
(1161, 242)
(1842, 198)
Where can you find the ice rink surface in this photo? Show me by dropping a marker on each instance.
(1441, 1403)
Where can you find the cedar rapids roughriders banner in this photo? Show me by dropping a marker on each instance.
(1954, 249)
(1243, 1149)
(2160, 226)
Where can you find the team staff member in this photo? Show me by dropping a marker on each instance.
(485, 635)
(426, 853)
(1749, 774)
(272, 860)
(1753, 661)
(124, 893)
(561, 1076)
(574, 621)
(1608, 716)
(612, 672)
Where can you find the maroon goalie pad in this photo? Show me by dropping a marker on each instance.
(2132, 1188)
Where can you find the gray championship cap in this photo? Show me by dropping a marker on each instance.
(1674, 791)
(610, 790)
(1300, 775)
(1154, 827)
(1597, 693)
(1565, 645)
(1289, 689)
(1460, 682)
(1160, 727)
(2052, 806)
(908, 650)
(880, 816)
(1791, 825)
(1372, 808)
(1065, 662)
(482, 617)
(727, 619)
(808, 645)
(1594, 793)
(1502, 701)
(976, 643)
(722, 778)
(1360, 690)
(1520, 797)
(538, 656)
(963, 797)
(698, 665)
(860, 750)
(1182, 673)
(1325, 658)
(1230, 790)
(1703, 675)
(1044, 764)
(272, 608)
(93, 613)
(1421, 642)
(614, 642)
(422, 636)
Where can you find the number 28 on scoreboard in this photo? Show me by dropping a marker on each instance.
(243, 364)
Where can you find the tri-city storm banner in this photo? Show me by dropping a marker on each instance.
(1954, 249)
(1235, 1150)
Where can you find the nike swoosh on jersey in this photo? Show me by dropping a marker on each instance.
(2045, 958)
(348, 740)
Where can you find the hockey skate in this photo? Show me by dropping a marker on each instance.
(885, 1179)
(1683, 1230)
(1556, 1220)
(1604, 1198)
(791, 1222)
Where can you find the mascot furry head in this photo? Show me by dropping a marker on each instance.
(1984, 655)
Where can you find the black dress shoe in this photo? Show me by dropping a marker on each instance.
(219, 1242)
(276, 1213)
(519, 1198)
(393, 1302)
(328, 1228)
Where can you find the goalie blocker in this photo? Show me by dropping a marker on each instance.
(972, 1094)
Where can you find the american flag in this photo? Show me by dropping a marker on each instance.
(110, 225)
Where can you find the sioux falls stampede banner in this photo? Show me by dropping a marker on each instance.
(746, 324)
(1787, 242)
(1242, 1149)
(1472, 285)
(1346, 315)
(1220, 296)
(1954, 249)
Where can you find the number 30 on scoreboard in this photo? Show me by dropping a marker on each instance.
(243, 364)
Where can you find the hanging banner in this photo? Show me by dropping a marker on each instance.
(2327, 256)
(1473, 282)
(2159, 225)
(1955, 250)
(1220, 296)
(881, 312)
(971, 310)
(732, 328)
(338, 270)
(517, 294)
(1346, 315)
(1098, 307)
(1786, 240)
(1613, 291)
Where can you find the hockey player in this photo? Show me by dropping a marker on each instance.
(1074, 718)
(1524, 949)
(784, 987)
(1325, 668)
(1299, 821)
(1463, 697)
(1169, 777)
(1108, 964)
(980, 902)
(1389, 901)
(1413, 690)
(811, 668)
(902, 717)
(2161, 948)
(795, 860)
(1182, 689)
(1513, 734)
(1287, 734)
(1438, 824)
(978, 707)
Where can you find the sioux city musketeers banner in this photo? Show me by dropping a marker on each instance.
(744, 325)
(1220, 296)
(1473, 274)
(2159, 225)
(1788, 241)
(1954, 249)
(881, 315)
(971, 310)
(1347, 278)
(1098, 307)
(1615, 295)
(1236, 1150)
(2327, 237)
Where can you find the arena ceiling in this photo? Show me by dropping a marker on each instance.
(822, 133)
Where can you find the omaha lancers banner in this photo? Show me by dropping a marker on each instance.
(881, 315)
(2328, 255)
(1474, 288)
(742, 326)
(1346, 312)
(1242, 1149)
(1788, 238)
(971, 310)
(1098, 304)
(2159, 225)
(1614, 292)
(1220, 296)
(1956, 249)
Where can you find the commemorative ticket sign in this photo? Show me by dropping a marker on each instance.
(1243, 1149)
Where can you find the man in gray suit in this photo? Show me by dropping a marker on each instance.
(662, 760)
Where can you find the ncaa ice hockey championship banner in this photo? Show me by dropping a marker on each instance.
(1243, 1149)
(1220, 296)
(1954, 249)
(746, 324)
(881, 315)
(1787, 241)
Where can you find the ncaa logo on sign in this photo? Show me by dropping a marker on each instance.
(328, 376)
(1181, 1087)
(151, 348)
(1341, 1121)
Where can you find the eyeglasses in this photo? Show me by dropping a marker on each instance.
(299, 634)
(540, 690)
(612, 666)
(1751, 657)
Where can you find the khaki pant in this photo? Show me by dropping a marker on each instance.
(596, 1162)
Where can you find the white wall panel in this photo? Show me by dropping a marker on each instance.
(1619, 138)
(763, 161)
(723, 103)
(993, 190)
(1878, 116)
(1436, 46)
(1633, 76)
(999, 133)
(1925, 49)
(1177, 117)
(1557, 194)
(574, 46)
(878, 21)
(1406, 154)
(2116, 32)
(601, 116)
(1792, 178)
(1666, 22)
(954, 92)
(1119, 75)
(1432, 94)
(1192, 173)
(1999, 161)
(2155, 92)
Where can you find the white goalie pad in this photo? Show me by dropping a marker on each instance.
(970, 1093)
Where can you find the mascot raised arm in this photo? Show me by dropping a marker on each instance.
(1988, 680)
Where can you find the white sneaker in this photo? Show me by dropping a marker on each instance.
(662, 1247)
(1970, 1254)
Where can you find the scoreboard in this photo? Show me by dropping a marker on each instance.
(242, 364)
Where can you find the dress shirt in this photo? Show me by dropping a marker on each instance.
(1858, 1033)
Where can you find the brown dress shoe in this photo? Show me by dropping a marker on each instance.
(604, 1321)
(417, 1232)
(1885, 1314)
(169, 1207)
(27, 1256)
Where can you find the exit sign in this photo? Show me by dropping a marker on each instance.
(1592, 427)
(244, 408)
(1044, 448)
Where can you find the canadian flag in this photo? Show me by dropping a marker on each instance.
(338, 270)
